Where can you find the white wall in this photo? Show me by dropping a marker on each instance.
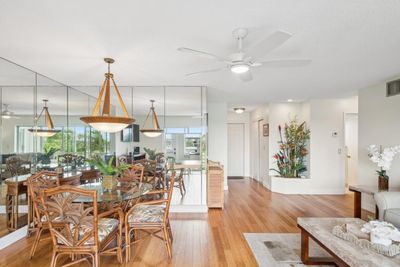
(245, 119)
(218, 134)
(378, 124)
(327, 152)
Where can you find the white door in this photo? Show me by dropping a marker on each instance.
(262, 153)
(235, 149)
(351, 143)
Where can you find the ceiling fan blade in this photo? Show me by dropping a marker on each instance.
(268, 44)
(205, 71)
(200, 53)
(283, 63)
(246, 76)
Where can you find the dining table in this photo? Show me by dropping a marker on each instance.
(121, 195)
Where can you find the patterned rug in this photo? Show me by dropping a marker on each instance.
(281, 250)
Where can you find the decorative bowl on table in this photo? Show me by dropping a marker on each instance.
(381, 237)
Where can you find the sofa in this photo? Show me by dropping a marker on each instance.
(389, 207)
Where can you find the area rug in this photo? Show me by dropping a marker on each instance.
(281, 250)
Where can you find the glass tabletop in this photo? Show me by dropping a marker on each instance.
(121, 192)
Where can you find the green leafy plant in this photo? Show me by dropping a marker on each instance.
(107, 168)
(48, 153)
(290, 158)
(151, 153)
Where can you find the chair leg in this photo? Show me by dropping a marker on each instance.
(127, 244)
(53, 260)
(170, 231)
(183, 183)
(167, 241)
(36, 242)
(180, 188)
(96, 261)
(119, 248)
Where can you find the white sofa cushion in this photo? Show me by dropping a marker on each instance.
(393, 216)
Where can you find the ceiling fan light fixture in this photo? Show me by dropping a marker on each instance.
(240, 68)
(104, 122)
(6, 114)
(239, 110)
(156, 130)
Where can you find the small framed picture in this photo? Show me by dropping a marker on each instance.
(266, 129)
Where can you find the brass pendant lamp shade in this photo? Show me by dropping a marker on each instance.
(49, 130)
(156, 130)
(105, 122)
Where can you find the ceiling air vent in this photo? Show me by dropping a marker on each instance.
(393, 88)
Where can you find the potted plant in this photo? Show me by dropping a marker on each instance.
(383, 158)
(45, 158)
(108, 171)
(290, 158)
(151, 153)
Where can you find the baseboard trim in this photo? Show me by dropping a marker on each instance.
(13, 237)
(189, 209)
(226, 187)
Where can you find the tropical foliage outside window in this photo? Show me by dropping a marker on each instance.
(83, 141)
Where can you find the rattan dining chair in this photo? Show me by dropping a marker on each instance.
(150, 217)
(36, 184)
(134, 173)
(85, 234)
(180, 183)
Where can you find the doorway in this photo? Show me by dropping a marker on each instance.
(351, 148)
(236, 150)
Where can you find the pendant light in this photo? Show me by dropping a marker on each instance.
(49, 130)
(105, 122)
(156, 130)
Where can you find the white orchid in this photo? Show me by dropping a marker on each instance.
(384, 157)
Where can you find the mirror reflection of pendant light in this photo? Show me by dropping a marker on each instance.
(5, 113)
(105, 122)
(156, 130)
(49, 130)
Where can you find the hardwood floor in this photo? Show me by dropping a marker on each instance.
(216, 238)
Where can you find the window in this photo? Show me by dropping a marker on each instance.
(80, 140)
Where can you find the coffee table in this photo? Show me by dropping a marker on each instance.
(344, 253)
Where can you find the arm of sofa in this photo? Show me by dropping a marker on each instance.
(386, 200)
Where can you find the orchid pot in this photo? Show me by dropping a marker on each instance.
(383, 157)
(383, 181)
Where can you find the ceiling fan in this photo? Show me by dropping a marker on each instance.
(242, 61)
(6, 113)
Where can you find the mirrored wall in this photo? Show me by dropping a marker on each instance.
(23, 94)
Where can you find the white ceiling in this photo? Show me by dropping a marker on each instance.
(352, 44)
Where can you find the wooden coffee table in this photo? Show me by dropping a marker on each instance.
(344, 253)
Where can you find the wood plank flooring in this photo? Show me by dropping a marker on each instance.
(216, 238)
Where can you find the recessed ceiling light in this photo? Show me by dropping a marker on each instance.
(240, 68)
(239, 110)
(290, 100)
